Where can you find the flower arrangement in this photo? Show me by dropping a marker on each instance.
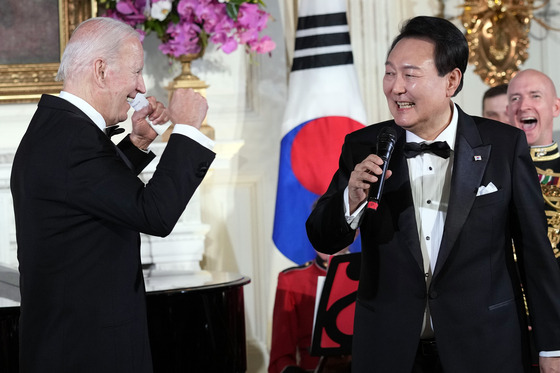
(187, 26)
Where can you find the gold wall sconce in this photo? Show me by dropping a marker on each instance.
(498, 35)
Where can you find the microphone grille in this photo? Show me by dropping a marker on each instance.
(387, 134)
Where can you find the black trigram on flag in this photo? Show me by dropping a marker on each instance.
(322, 40)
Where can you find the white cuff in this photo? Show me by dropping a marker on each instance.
(549, 353)
(353, 219)
(195, 134)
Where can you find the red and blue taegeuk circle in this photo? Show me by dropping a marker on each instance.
(309, 156)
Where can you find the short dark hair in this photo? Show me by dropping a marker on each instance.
(451, 47)
(495, 91)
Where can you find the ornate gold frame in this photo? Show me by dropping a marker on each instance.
(21, 83)
(498, 35)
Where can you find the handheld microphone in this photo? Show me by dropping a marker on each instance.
(384, 149)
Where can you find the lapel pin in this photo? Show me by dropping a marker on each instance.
(478, 158)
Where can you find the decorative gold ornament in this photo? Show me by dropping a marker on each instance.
(186, 79)
(498, 35)
(551, 195)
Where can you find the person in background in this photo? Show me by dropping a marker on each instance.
(293, 315)
(494, 103)
(532, 106)
(79, 205)
(439, 290)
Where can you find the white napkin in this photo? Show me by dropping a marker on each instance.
(140, 102)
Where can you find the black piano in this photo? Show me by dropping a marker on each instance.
(196, 321)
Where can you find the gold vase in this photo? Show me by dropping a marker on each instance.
(188, 80)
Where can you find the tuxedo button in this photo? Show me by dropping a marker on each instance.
(433, 294)
(202, 169)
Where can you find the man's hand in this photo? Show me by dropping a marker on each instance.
(549, 364)
(365, 173)
(188, 107)
(142, 133)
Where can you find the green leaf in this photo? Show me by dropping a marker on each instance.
(232, 10)
(174, 17)
(160, 30)
(203, 37)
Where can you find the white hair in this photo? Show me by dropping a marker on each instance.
(94, 38)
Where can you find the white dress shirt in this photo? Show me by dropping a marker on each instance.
(430, 178)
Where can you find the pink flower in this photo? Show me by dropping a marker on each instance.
(186, 8)
(126, 7)
(197, 23)
(128, 12)
(140, 4)
(130, 19)
(265, 45)
(248, 36)
(229, 46)
(219, 37)
(251, 17)
(183, 39)
(210, 16)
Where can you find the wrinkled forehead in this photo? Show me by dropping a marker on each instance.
(530, 82)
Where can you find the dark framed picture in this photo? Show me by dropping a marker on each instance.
(34, 34)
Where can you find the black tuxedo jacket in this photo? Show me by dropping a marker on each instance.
(475, 297)
(79, 208)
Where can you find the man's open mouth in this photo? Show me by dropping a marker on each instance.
(528, 122)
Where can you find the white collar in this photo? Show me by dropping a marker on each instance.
(86, 108)
(448, 134)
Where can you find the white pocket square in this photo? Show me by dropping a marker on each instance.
(490, 188)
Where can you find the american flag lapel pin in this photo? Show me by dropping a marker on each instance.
(478, 158)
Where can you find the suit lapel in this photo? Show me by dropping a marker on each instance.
(470, 161)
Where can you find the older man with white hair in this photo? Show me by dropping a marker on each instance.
(79, 205)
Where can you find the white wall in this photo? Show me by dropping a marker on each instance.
(246, 101)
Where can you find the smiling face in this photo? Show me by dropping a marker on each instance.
(418, 98)
(123, 79)
(533, 105)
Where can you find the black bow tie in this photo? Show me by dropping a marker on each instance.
(113, 130)
(439, 148)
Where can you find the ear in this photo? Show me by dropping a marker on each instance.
(556, 107)
(453, 81)
(100, 72)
